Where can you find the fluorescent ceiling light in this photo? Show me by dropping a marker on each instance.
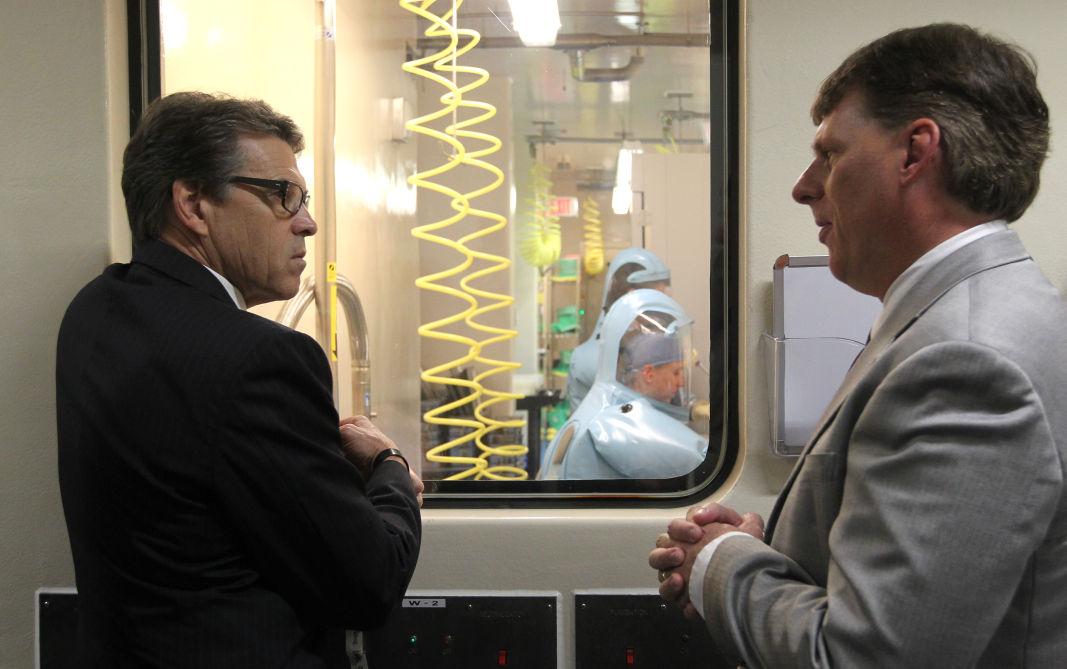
(536, 20)
(621, 200)
(174, 26)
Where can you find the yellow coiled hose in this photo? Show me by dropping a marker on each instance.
(593, 237)
(452, 101)
(542, 239)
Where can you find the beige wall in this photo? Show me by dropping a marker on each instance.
(56, 204)
(375, 208)
(55, 189)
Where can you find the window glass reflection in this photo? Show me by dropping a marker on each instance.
(608, 144)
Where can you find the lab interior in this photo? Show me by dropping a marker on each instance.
(477, 176)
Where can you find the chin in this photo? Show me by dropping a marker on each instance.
(275, 295)
(837, 270)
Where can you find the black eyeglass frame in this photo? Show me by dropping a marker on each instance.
(280, 186)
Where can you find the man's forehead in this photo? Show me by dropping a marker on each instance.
(267, 152)
(850, 112)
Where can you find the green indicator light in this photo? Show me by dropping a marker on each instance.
(413, 639)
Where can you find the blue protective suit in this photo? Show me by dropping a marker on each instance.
(617, 432)
(583, 363)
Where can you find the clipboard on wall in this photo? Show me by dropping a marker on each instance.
(819, 326)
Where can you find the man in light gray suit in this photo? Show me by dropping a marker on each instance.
(925, 524)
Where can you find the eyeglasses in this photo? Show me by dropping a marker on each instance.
(291, 194)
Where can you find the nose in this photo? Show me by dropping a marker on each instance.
(808, 187)
(303, 224)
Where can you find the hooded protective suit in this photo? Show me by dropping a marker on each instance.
(583, 363)
(632, 423)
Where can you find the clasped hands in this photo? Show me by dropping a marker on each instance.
(678, 547)
(362, 441)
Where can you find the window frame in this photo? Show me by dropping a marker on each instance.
(145, 85)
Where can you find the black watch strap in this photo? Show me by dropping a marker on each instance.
(388, 453)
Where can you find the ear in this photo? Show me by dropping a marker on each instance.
(647, 371)
(923, 138)
(187, 208)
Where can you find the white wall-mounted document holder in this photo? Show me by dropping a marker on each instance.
(819, 326)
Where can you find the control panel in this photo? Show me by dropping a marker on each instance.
(468, 630)
(57, 624)
(635, 629)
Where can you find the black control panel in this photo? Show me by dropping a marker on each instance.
(635, 631)
(57, 624)
(449, 631)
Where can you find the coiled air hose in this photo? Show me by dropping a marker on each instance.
(593, 236)
(542, 238)
(479, 301)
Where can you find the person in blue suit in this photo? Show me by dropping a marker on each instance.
(630, 269)
(632, 423)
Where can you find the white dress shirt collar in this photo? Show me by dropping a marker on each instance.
(911, 276)
(234, 294)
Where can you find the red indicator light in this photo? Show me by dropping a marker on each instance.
(631, 657)
(502, 658)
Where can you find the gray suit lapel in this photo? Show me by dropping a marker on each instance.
(995, 250)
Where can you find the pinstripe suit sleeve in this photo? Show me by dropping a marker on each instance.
(340, 549)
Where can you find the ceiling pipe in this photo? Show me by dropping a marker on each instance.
(583, 41)
(602, 74)
(567, 139)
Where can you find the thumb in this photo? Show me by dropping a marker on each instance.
(753, 524)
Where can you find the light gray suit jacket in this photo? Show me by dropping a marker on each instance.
(925, 525)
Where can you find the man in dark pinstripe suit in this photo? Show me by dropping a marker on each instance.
(218, 515)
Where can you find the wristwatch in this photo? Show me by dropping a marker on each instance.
(388, 453)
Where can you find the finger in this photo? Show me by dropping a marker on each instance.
(683, 530)
(690, 611)
(353, 430)
(664, 541)
(666, 559)
(753, 524)
(673, 589)
(716, 513)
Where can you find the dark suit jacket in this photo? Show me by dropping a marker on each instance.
(213, 518)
